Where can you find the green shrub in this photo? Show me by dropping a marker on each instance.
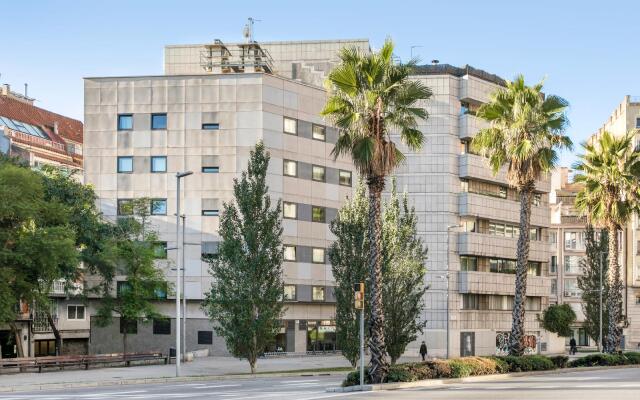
(594, 360)
(401, 373)
(528, 363)
(422, 370)
(502, 367)
(353, 378)
(560, 361)
(460, 368)
(633, 357)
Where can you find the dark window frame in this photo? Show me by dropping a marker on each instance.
(324, 214)
(161, 326)
(120, 125)
(213, 170)
(210, 126)
(211, 213)
(284, 162)
(166, 163)
(120, 171)
(166, 120)
(205, 337)
(295, 252)
(296, 207)
(284, 126)
(151, 202)
(324, 173)
(295, 293)
(160, 245)
(324, 132)
(324, 294)
(350, 178)
(120, 203)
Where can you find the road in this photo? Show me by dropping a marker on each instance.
(618, 384)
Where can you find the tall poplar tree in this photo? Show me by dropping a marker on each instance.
(246, 298)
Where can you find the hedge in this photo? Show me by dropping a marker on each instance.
(475, 366)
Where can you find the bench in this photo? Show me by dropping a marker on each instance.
(60, 362)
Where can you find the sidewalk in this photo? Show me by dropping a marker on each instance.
(206, 366)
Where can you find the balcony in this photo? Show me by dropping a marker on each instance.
(495, 208)
(470, 125)
(485, 245)
(40, 323)
(476, 90)
(501, 284)
(473, 166)
(58, 288)
(495, 320)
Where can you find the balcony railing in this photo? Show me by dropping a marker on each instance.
(41, 324)
(58, 288)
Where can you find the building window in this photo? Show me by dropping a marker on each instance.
(289, 252)
(319, 132)
(290, 168)
(537, 199)
(470, 302)
(468, 263)
(553, 267)
(318, 173)
(554, 287)
(160, 292)
(210, 213)
(534, 268)
(209, 249)
(210, 127)
(160, 250)
(125, 122)
(572, 264)
(498, 229)
(553, 237)
(502, 266)
(637, 299)
(637, 122)
(290, 126)
(317, 293)
(571, 288)
(158, 164)
(129, 326)
(574, 240)
(75, 312)
(122, 288)
(205, 337)
(317, 214)
(210, 170)
(289, 210)
(125, 164)
(158, 121)
(534, 234)
(125, 207)
(289, 292)
(162, 326)
(159, 207)
(317, 256)
(344, 178)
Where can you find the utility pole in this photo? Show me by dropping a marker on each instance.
(179, 176)
(184, 294)
(600, 293)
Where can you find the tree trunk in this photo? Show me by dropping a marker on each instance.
(124, 344)
(56, 332)
(614, 299)
(17, 338)
(379, 366)
(516, 340)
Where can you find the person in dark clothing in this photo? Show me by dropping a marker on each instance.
(573, 346)
(423, 350)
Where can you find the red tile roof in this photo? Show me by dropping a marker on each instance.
(68, 128)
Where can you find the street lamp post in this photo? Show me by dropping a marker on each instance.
(179, 176)
(600, 320)
(184, 293)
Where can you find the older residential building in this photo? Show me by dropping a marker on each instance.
(469, 218)
(42, 137)
(204, 115)
(626, 117)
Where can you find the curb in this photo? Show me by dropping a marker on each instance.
(441, 382)
(143, 381)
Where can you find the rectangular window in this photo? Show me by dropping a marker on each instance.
(160, 250)
(162, 326)
(468, 226)
(158, 121)
(317, 214)
(637, 122)
(290, 292)
(534, 234)
(319, 132)
(290, 168)
(553, 237)
(205, 337)
(554, 287)
(290, 126)
(210, 213)
(317, 256)
(571, 288)
(464, 186)
(289, 252)
(289, 210)
(502, 192)
(160, 292)
(159, 207)
(572, 264)
(125, 207)
(125, 164)
(317, 293)
(537, 199)
(209, 249)
(553, 266)
(468, 263)
(574, 240)
(158, 164)
(318, 173)
(210, 170)
(210, 127)
(534, 268)
(125, 122)
(75, 312)
(122, 288)
(344, 178)
(470, 302)
(129, 326)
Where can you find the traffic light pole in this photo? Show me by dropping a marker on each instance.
(362, 349)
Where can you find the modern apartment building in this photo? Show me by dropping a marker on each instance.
(41, 137)
(204, 115)
(468, 217)
(626, 117)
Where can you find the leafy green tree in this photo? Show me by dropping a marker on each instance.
(135, 254)
(245, 300)
(609, 169)
(348, 255)
(589, 282)
(525, 133)
(370, 97)
(558, 318)
(403, 274)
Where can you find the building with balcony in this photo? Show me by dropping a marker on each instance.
(469, 219)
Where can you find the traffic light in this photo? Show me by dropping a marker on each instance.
(358, 288)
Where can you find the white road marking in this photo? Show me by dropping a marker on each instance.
(213, 386)
(301, 381)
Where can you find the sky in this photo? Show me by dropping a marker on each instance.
(586, 51)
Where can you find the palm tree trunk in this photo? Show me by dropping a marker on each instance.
(614, 299)
(379, 366)
(516, 340)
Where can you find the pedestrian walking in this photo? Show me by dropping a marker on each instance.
(573, 347)
(423, 350)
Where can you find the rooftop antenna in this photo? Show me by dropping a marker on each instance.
(247, 32)
(414, 47)
(26, 85)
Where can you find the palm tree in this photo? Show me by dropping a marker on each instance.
(609, 169)
(371, 97)
(525, 132)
